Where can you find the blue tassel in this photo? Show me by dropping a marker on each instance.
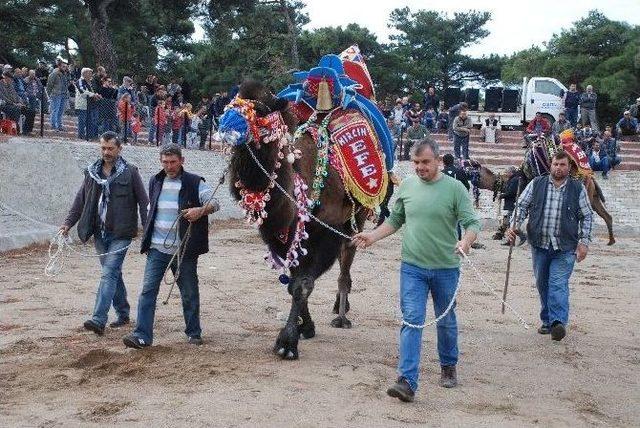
(284, 279)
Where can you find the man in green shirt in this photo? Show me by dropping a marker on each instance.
(430, 204)
(416, 132)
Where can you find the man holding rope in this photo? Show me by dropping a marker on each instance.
(430, 204)
(559, 230)
(175, 235)
(106, 207)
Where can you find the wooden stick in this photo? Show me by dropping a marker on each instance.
(512, 224)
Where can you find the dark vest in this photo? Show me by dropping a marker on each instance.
(569, 219)
(122, 212)
(187, 198)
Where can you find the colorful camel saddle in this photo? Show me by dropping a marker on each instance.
(581, 168)
(361, 165)
(328, 86)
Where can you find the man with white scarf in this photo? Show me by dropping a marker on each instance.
(106, 207)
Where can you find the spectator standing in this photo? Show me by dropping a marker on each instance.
(87, 106)
(453, 111)
(397, 114)
(127, 88)
(19, 85)
(635, 109)
(461, 130)
(571, 102)
(58, 92)
(34, 89)
(431, 100)
(107, 106)
(588, 101)
(491, 129)
(125, 116)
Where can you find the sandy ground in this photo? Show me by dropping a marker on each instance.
(54, 373)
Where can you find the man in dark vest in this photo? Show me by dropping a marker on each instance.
(106, 207)
(180, 202)
(559, 230)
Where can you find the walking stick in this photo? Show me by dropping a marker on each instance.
(512, 223)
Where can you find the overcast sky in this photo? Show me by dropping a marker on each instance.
(514, 25)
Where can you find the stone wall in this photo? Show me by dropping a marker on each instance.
(39, 179)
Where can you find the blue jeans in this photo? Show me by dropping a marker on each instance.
(572, 115)
(614, 161)
(601, 165)
(58, 104)
(87, 123)
(157, 262)
(415, 284)
(552, 270)
(461, 143)
(111, 289)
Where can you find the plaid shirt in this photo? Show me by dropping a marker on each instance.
(552, 210)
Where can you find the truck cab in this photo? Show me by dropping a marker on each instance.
(542, 94)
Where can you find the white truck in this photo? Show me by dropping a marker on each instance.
(538, 94)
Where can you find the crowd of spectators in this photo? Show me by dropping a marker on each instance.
(411, 121)
(101, 104)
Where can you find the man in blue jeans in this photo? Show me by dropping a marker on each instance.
(180, 202)
(430, 204)
(559, 230)
(106, 207)
(58, 92)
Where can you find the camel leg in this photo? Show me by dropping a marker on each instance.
(286, 345)
(600, 209)
(347, 254)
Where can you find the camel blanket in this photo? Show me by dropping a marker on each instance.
(362, 165)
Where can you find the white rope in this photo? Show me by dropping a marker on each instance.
(442, 315)
(291, 198)
(63, 250)
(484, 282)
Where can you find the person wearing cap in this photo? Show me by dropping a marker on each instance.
(561, 124)
(12, 105)
(627, 126)
(58, 91)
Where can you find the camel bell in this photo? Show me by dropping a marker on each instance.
(324, 102)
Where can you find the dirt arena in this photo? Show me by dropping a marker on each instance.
(52, 372)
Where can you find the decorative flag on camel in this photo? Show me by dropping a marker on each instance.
(361, 160)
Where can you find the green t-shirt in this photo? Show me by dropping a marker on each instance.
(431, 211)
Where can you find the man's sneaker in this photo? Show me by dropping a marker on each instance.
(401, 390)
(448, 377)
(544, 329)
(498, 236)
(131, 341)
(119, 322)
(195, 340)
(93, 326)
(558, 332)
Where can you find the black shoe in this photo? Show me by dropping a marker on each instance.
(478, 246)
(544, 329)
(558, 332)
(93, 326)
(498, 236)
(523, 240)
(131, 341)
(448, 377)
(119, 322)
(195, 340)
(401, 390)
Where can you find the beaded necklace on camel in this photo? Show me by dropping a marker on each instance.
(272, 129)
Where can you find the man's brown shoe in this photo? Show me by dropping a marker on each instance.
(448, 377)
(558, 332)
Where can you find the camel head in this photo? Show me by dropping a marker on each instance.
(259, 127)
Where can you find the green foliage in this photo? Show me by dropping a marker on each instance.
(594, 51)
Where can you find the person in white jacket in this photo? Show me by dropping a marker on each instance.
(86, 106)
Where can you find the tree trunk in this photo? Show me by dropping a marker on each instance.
(101, 36)
(293, 33)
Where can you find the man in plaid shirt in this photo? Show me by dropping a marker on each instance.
(559, 230)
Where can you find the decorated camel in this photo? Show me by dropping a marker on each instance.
(537, 161)
(308, 167)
